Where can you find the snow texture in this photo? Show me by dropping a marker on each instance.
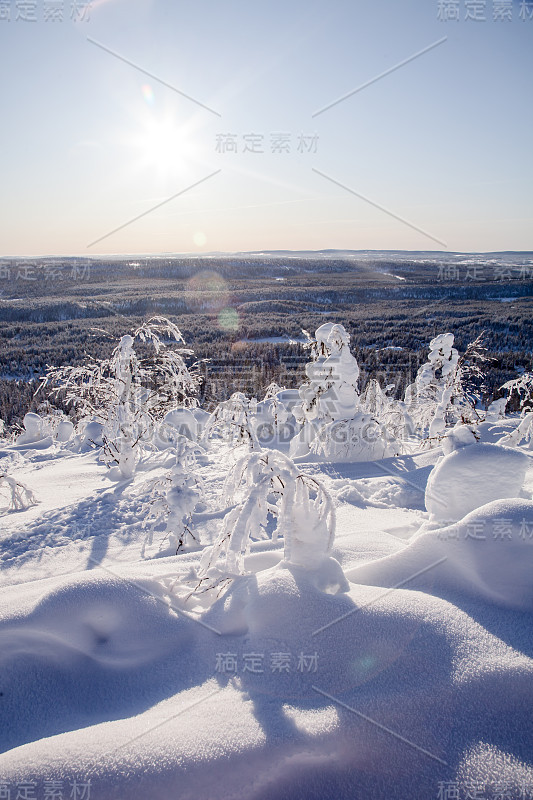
(472, 476)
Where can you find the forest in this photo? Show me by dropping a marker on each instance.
(234, 312)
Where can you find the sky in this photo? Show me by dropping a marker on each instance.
(157, 126)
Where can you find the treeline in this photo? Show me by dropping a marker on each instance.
(224, 305)
(251, 367)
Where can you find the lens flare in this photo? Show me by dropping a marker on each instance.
(148, 94)
(228, 320)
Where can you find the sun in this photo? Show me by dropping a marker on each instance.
(163, 145)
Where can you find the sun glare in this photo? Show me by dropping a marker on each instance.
(162, 144)
(166, 146)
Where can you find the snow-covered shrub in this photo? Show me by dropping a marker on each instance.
(34, 433)
(469, 477)
(446, 388)
(331, 389)
(523, 387)
(174, 498)
(271, 493)
(330, 392)
(20, 496)
(32, 428)
(460, 436)
(64, 431)
(360, 438)
(272, 390)
(391, 414)
(335, 426)
(522, 434)
(176, 423)
(234, 422)
(128, 394)
(54, 422)
(188, 422)
(89, 433)
(274, 422)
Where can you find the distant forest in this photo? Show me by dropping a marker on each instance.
(60, 311)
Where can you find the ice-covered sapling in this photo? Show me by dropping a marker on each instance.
(20, 496)
(234, 422)
(522, 387)
(128, 393)
(331, 389)
(174, 498)
(273, 499)
(447, 387)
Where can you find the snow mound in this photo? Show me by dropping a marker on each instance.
(488, 554)
(345, 696)
(472, 476)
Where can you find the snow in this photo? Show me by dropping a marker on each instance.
(286, 339)
(390, 659)
(486, 554)
(472, 476)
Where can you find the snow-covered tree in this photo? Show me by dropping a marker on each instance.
(272, 390)
(33, 430)
(234, 421)
(446, 388)
(331, 389)
(330, 392)
(523, 433)
(496, 410)
(271, 493)
(272, 414)
(174, 498)
(391, 414)
(425, 397)
(523, 388)
(334, 424)
(374, 399)
(127, 394)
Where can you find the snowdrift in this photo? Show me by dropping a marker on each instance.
(399, 666)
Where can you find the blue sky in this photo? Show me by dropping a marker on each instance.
(89, 142)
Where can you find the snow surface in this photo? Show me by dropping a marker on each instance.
(472, 476)
(424, 667)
